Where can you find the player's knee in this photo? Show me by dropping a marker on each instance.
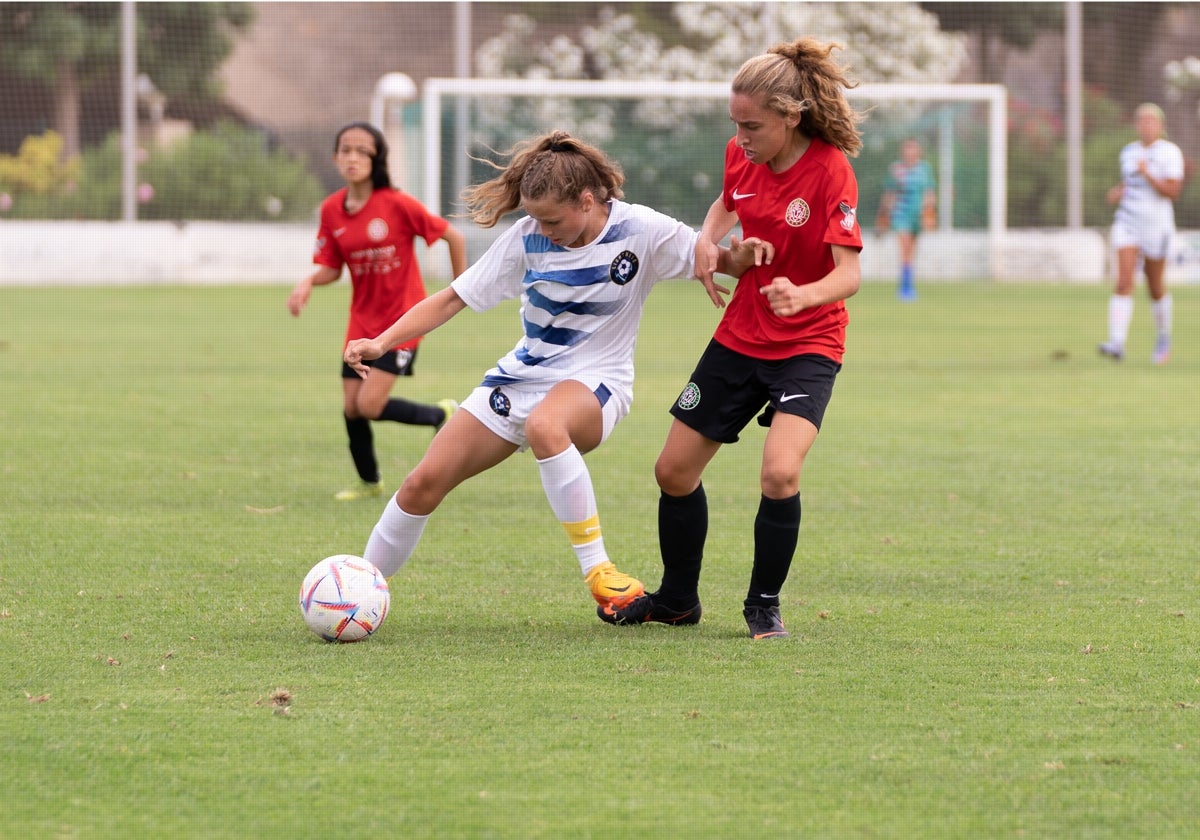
(779, 484)
(548, 435)
(421, 493)
(369, 409)
(540, 427)
(674, 478)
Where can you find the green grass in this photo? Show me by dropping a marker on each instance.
(993, 605)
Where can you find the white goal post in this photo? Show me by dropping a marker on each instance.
(994, 96)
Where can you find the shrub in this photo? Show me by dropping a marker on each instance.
(36, 174)
(228, 173)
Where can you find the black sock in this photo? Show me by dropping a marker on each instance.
(362, 448)
(776, 530)
(682, 530)
(411, 413)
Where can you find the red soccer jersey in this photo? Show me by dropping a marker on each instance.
(376, 244)
(802, 212)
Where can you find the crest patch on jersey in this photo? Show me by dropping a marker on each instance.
(377, 230)
(624, 268)
(499, 402)
(690, 398)
(797, 212)
(849, 214)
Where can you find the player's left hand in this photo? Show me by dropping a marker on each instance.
(784, 296)
(358, 351)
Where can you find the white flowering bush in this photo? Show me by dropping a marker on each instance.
(670, 148)
(884, 42)
(1183, 80)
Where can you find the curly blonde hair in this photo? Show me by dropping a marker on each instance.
(554, 164)
(802, 78)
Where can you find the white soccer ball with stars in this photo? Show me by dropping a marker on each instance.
(344, 598)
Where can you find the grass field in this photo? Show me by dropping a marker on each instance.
(994, 605)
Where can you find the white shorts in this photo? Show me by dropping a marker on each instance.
(1153, 241)
(505, 408)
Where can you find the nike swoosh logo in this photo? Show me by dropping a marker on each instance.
(675, 619)
(737, 196)
(339, 231)
(787, 397)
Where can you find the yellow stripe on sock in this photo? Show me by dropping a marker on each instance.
(582, 533)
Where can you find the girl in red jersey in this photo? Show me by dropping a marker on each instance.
(370, 227)
(779, 344)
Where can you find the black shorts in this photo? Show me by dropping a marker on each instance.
(395, 362)
(727, 389)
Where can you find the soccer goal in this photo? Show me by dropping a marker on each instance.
(669, 137)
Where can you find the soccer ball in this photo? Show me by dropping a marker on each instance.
(344, 598)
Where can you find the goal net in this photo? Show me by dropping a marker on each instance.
(669, 137)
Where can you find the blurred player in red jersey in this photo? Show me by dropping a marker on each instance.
(370, 226)
(779, 344)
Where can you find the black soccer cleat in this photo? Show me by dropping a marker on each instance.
(764, 622)
(644, 609)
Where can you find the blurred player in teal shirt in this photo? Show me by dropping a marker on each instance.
(908, 206)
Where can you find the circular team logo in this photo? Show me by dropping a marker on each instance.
(377, 230)
(690, 398)
(624, 268)
(500, 403)
(797, 212)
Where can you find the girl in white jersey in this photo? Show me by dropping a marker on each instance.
(1151, 180)
(582, 262)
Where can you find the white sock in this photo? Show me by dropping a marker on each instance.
(1162, 309)
(1120, 313)
(568, 487)
(394, 538)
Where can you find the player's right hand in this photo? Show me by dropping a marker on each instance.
(298, 298)
(360, 350)
(751, 251)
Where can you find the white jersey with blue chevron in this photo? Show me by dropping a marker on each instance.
(580, 307)
(1141, 206)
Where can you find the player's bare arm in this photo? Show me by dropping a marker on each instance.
(786, 298)
(423, 318)
(1166, 187)
(709, 254)
(454, 238)
(298, 299)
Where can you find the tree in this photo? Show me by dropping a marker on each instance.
(1118, 38)
(1003, 24)
(71, 47)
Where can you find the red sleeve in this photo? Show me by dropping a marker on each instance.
(421, 222)
(325, 249)
(842, 227)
